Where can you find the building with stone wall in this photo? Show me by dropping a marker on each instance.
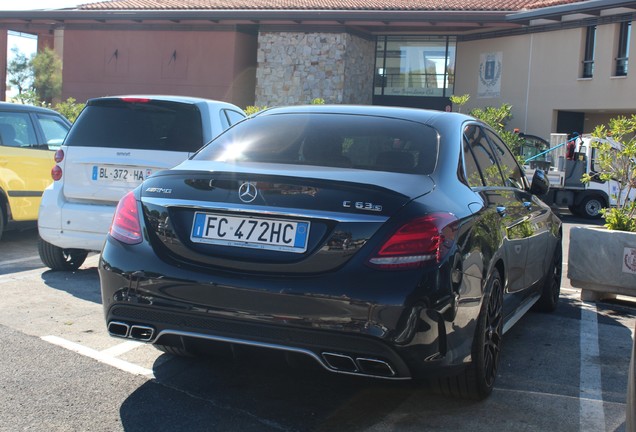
(562, 64)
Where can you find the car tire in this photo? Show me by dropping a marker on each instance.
(57, 258)
(478, 379)
(591, 207)
(552, 287)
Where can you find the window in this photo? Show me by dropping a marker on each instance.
(475, 140)
(473, 177)
(331, 140)
(54, 130)
(16, 130)
(155, 125)
(415, 66)
(231, 117)
(588, 58)
(624, 33)
(507, 162)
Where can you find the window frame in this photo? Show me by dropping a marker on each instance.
(588, 53)
(622, 52)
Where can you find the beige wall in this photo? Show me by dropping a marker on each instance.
(211, 64)
(553, 60)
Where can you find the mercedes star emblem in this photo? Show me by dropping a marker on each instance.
(247, 192)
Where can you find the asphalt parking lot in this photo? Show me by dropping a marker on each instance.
(60, 371)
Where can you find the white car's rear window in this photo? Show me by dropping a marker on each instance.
(148, 125)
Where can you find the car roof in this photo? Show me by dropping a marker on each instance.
(167, 98)
(9, 106)
(414, 114)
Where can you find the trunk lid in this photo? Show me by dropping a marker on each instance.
(280, 218)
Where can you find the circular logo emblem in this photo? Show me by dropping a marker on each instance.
(247, 192)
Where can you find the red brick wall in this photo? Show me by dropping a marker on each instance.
(213, 64)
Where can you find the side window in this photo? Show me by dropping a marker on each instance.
(473, 176)
(234, 116)
(16, 130)
(509, 167)
(477, 142)
(225, 121)
(54, 130)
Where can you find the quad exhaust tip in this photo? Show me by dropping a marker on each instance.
(137, 332)
(358, 365)
(118, 329)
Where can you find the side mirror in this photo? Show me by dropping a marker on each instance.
(540, 184)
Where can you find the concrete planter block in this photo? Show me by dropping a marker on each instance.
(602, 263)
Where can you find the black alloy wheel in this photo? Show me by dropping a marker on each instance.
(492, 332)
(478, 379)
(552, 287)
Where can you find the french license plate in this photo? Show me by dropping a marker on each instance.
(120, 174)
(250, 232)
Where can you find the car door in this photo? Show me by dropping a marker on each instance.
(534, 222)
(502, 212)
(25, 165)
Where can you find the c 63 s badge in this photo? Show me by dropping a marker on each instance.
(361, 205)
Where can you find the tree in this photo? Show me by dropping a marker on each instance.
(497, 118)
(20, 72)
(459, 101)
(616, 160)
(47, 70)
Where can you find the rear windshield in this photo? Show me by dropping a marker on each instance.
(154, 125)
(331, 140)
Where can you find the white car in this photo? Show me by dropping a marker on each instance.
(114, 145)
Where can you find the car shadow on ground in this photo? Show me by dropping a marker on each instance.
(259, 391)
(82, 283)
(254, 390)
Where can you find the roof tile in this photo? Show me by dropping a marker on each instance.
(393, 5)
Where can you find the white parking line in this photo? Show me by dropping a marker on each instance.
(19, 260)
(592, 414)
(99, 356)
(121, 348)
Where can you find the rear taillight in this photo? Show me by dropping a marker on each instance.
(59, 156)
(135, 100)
(126, 227)
(56, 172)
(419, 242)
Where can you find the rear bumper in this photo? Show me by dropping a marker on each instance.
(374, 329)
(71, 225)
(336, 352)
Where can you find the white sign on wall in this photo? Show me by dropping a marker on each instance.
(629, 260)
(489, 75)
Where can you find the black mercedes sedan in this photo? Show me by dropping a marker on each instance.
(393, 243)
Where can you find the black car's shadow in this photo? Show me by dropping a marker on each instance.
(82, 283)
(259, 391)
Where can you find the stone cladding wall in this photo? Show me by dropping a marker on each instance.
(295, 68)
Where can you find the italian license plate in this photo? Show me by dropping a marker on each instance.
(120, 174)
(250, 232)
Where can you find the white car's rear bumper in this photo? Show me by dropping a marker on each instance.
(73, 225)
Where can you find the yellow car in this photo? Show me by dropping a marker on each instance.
(29, 136)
